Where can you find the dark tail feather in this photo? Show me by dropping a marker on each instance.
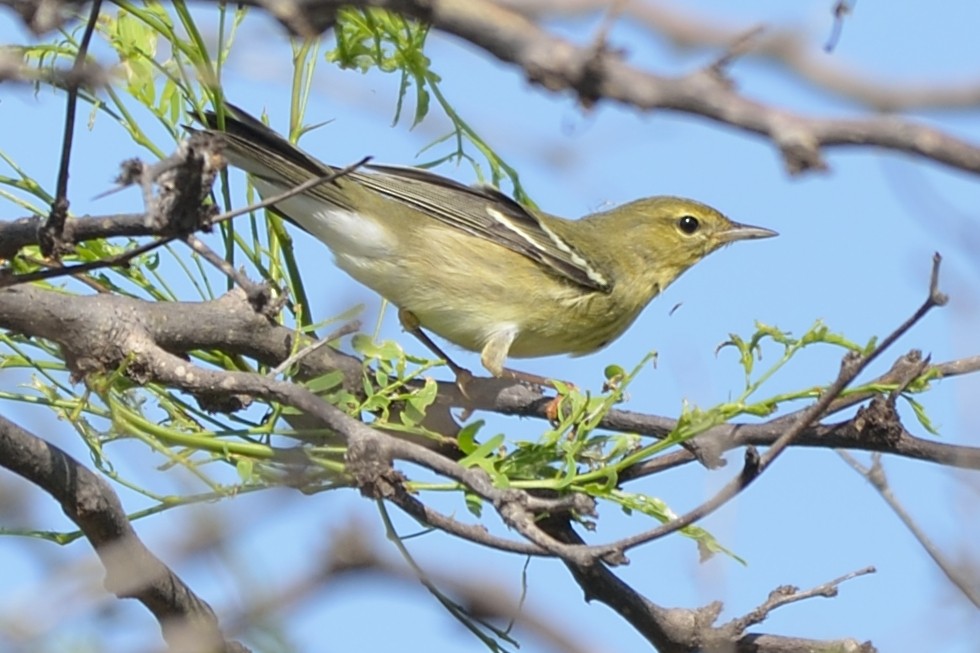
(239, 124)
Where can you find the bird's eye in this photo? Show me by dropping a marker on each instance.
(688, 224)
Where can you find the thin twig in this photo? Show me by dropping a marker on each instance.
(238, 276)
(876, 476)
(51, 234)
(346, 329)
(742, 44)
(7, 280)
(788, 594)
(841, 9)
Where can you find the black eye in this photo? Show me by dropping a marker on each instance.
(688, 224)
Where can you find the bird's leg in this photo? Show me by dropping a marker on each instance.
(412, 325)
(493, 356)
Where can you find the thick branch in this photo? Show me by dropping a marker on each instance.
(132, 571)
(595, 72)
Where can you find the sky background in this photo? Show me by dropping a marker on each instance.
(854, 250)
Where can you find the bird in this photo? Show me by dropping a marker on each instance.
(471, 264)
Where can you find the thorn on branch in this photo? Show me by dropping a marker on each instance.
(751, 466)
(842, 8)
(914, 366)
(800, 149)
(936, 297)
(739, 47)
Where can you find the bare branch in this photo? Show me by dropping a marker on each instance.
(788, 594)
(682, 629)
(132, 571)
(875, 474)
(788, 47)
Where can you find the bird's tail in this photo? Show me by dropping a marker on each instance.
(260, 151)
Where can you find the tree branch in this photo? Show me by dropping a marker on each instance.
(595, 73)
(875, 475)
(132, 571)
(790, 48)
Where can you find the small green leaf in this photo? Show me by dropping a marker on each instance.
(325, 382)
(422, 398)
(376, 402)
(473, 503)
(870, 347)
(466, 439)
(246, 469)
(920, 414)
(478, 457)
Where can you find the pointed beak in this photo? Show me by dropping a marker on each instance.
(746, 232)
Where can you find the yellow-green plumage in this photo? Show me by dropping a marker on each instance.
(475, 267)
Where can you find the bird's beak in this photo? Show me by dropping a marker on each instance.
(745, 232)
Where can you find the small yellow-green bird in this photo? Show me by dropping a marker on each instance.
(473, 265)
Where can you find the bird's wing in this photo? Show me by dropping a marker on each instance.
(484, 212)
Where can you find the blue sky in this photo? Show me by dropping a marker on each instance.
(855, 251)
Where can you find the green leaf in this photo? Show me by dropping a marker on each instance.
(480, 456)
(325, 382)
(614, 373)
(387, 350)
(466, 439)
(377, 402)
(745, 355)
(707, 544)
(920, 414)
(246, 469)
(420, 400)
(473, 503)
